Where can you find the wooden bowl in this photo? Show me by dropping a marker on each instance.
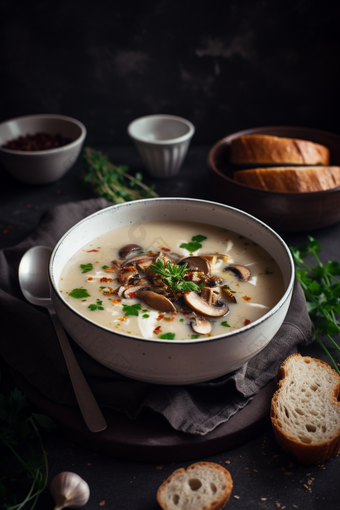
(281, 210)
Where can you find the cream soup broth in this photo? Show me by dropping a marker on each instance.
(89, 279)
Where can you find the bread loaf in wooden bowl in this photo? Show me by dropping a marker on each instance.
(275, 149)
(290, 179)
(305, 412)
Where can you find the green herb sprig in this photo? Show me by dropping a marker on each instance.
(113, 182)
(322, 291)
(173, 276)
(19, 426)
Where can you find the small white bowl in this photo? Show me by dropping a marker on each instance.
(46, 166)
(171, 361)
(162, 142)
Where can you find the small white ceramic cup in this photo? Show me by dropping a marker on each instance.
(162, 142)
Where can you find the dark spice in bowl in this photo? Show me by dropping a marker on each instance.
(36, 142)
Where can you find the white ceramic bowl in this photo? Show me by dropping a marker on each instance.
(41, 167)
(162, 142)
(171, 361)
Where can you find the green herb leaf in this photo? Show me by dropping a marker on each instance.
(167, 336)
(145, 316)
(191, 246)
(225, 324)
(97, 306)
(79, 293)
(198, 238)
(195, 336)
(132, 309)
(86, 267)
(194, 244)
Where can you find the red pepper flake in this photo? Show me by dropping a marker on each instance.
(160, 317)
(173, 313)
(133, 295)
(105, 279)
(246, 298)
(116, 301)
(168, 319)
(90, 278)
(157, 330)
(109, 270)
(151, 254)
(90, 251)
(129, 268)
(164, 249)
(246, 322)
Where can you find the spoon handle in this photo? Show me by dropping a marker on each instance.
(89, 408)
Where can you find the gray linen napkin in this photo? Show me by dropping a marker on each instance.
(28, 344)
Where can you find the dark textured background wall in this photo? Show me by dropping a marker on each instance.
(226, 65)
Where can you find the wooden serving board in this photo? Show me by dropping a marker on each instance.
(150, 437)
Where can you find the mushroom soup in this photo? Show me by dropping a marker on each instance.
(178, 280)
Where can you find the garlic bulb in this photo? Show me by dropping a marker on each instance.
(69, 490)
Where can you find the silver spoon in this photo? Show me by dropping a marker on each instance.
(34, 283)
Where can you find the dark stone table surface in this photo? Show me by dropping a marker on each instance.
(264, 476)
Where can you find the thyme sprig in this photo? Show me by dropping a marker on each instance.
(111, 181)
(173, 276)
(18, 431)
(322, 291)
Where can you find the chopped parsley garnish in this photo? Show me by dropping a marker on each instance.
(194, 244)
(79, 293)
(105, 267)
(97, 306)
(145, 316)
(167, 336)
(86, 267)
(181, 320)
(225, 324)
(132, 309)
(195, 336)
(173, 275)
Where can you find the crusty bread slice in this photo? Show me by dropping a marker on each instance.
(203, 486)
(305, 413)
(290, 179)
(275, 149)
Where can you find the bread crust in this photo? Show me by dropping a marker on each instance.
(191, 471)
(315, 453)
(290, 179)
(274, 149)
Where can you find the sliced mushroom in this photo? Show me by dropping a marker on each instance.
(129, 249)
(124, 277)
(213, 281)
(202, 307)
(132, 290)
(241, 271)
(201, 326)
(211, 295)
(229, 294)
(156, 301)
(197, 264)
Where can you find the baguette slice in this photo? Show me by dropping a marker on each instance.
(274, 149)
(305, 413)
(290, 179)
(203, 486)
